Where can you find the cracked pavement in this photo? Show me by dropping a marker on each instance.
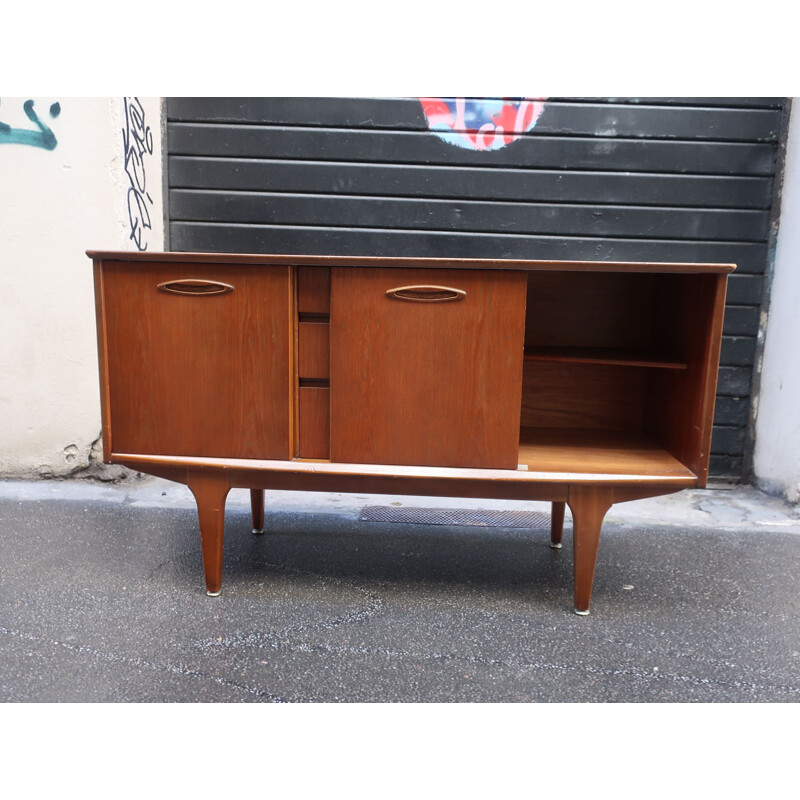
(102, 600)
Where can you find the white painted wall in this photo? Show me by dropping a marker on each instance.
(54, 205)
(776, 460)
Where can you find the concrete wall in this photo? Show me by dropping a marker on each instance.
(776, 459)
(68, 185)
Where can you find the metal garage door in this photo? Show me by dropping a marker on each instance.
(645, 179)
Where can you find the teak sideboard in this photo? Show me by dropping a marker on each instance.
(579, 383)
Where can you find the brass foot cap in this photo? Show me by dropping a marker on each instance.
(214, 594)
(582, 613)
(555, 545)
(258, 532)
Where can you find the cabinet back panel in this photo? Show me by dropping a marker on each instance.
(595, 396)
(597, 309)
(198, 375)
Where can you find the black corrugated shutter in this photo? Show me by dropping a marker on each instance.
(639, 179)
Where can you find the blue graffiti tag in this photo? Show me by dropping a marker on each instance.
(44, 137)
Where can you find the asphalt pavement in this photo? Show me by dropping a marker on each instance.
(102, 600)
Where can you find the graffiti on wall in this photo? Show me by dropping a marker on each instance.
(481, 123)
(42, 136)
(137, 139)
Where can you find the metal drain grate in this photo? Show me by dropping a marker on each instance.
(455, 516)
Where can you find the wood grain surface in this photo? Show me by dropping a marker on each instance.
(203, 375)
(391, 262)
(313, 290)
(313, 422)
(426, 383)
(680, 404)
(313, 344)
(599, 396)
(580, 451)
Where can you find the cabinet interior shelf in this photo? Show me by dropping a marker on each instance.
(577, 450)
(602, 355)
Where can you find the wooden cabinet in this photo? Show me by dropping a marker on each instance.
(579, 383)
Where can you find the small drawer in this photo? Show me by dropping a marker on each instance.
(314, 290)
(313, 347)
(313, 422)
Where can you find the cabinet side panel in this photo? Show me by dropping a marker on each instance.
(681, 402)
(102, 359)
(202, 375)
(426, 383)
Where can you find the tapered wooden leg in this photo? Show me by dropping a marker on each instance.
(257, 506)
(589, 505)
(556, 524)
(210, 489)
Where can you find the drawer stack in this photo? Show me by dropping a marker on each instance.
(313, 363)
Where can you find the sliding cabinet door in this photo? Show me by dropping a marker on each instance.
(198, 359)
(426, 366)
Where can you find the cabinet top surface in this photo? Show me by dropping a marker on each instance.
(388, 261)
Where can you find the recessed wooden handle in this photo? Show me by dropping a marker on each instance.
(194, 287)
(426, 294)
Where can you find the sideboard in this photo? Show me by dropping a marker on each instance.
(579, 383)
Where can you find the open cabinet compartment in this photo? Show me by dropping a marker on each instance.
(619, 372)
